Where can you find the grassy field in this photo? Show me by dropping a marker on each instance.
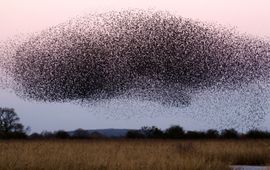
(132, 154)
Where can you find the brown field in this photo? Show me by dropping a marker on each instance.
(132, 154)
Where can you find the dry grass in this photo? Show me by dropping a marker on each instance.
(132, 154)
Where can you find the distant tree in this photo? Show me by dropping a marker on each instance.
(96, 135)
(152, 132)
(9, 124)
(8, 120)
(175, 132)
(61, 134)
(229, 134)
(47, 135)
(135, 134)
(211, 133)
(195, 135)
(35, 136)
(81, 134)
(257, 134)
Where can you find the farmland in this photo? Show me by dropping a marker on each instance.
(123, 154)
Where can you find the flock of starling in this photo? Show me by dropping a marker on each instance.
(148, 55)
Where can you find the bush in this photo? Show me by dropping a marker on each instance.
(13, 135)
(174, 132)
(61, 134)
(47, 135)
(195, 135)
(152, 132)
(211, 133)
(257, 134)
(229, 134)
(135, 134)
(81, 134)
(97, 135)
(35, 136)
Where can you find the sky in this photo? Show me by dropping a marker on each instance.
(19, 17)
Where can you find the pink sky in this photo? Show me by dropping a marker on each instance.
(24, 16)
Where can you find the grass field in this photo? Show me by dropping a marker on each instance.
(132, 154)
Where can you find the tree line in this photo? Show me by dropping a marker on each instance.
(177, 132)
(11, 128)
(153, 132)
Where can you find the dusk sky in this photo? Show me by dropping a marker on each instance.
(19, 17)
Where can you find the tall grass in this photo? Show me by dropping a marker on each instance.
(132, 154)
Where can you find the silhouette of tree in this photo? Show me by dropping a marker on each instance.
(9, 124)
(175, 132)
(81, 134)
(35, 136)
(229, 134)
(211, 133)
(135, 134)
(47, 134)
(195, 135)
(97, 135)
(61, 134)
(257, 134)
(152, 132)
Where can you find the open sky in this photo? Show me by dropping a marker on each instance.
(27, 16)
